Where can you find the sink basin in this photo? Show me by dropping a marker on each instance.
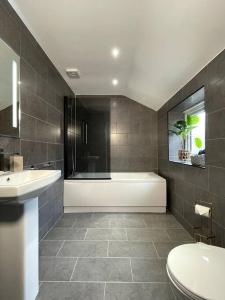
(19, 231)
(16, 185)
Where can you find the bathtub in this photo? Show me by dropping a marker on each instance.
(125, 192)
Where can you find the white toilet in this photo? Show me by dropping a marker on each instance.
(198, 271)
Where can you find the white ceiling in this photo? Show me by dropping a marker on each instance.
(163, 43)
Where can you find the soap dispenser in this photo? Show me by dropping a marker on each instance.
(16, 163)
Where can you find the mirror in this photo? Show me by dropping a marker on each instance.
(186, 129)
(9, 91)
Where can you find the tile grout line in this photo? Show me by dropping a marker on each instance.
(168, 235)
(73, 269)
(97, 281)
(132, 276)
(108, 249)
(85, 235)
(146, 225)
(104, 291)
(50, 229)
(75, 221)
(60, 248)
(153, 243)
(114, 257)
(174, 295)
(124, 240)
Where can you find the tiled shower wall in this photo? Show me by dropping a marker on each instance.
(42, 93)
(133, 136)
(187, 184)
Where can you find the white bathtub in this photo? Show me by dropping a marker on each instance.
(125, 192)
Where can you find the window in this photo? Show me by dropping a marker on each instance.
(199, 131)
(186, 129)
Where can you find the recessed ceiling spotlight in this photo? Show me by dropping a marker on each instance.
(73, 73)
(115, 81)
(115, 52)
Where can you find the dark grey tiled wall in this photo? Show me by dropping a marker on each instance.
(42, 93)
(133, 136)
(186, 183)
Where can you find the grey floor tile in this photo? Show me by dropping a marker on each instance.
(66, 234)
(91, 222)
(178, 295)
(163, 248)
(141, 291)
(106, 234)
(49, 248)
(84, 249)
(155, 235)
(71, 291)
(162, 221)
(132, 249)
(127, 222)
(162, 217)
(149, 270)
(102, 269)
(179, 235)
(66, 221)
(56, 268)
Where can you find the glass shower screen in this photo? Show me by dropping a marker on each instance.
(87, 138)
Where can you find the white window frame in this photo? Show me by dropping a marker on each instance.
(200, 107)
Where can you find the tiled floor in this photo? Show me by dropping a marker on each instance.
(109, 257)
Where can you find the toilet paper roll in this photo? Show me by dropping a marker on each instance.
(202, 210)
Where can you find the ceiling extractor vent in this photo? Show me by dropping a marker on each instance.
(73, 73)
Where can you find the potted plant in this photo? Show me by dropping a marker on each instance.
(183, 128)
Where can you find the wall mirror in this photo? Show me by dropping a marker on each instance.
(9, 91)
(186, 130)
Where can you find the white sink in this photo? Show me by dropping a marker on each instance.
(19, 231)
(15, 185)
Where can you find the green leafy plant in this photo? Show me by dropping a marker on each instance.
(183, 128)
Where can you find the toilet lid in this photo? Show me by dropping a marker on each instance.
(199, 269)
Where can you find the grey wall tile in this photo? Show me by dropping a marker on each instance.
(33, 152)
(27, 127)
(32, 104)
(215, 154)
(216, 181)
(216, 95)
(10, 27)
(216, 125)
(207, 183)
(42, 93)
(133, 136)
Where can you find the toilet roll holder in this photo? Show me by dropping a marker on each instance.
(203, 232)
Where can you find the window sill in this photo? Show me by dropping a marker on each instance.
(187, 162)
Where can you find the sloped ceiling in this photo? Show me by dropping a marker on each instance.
(163, 43)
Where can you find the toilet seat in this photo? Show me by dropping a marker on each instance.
(198, 271)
